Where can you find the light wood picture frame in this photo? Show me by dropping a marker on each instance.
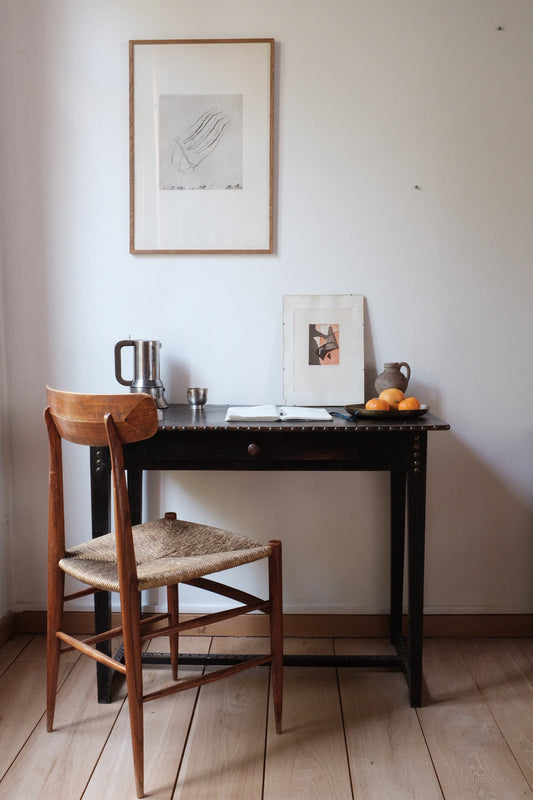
(323, 349)
(201, 145)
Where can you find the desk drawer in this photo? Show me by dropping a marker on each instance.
(296, 450)
(276, 450)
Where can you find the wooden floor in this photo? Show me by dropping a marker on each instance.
(348, 733)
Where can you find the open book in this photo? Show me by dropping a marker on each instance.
(271, 413)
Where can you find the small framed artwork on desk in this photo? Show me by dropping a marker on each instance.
(201, 145)
(323, 349)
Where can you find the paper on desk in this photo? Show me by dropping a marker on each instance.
(253, 413)
(302, 412)
(271, 413)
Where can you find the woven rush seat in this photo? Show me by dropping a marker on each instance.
(166, 551)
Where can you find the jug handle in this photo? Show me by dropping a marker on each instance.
(407, 368)
(118, 360)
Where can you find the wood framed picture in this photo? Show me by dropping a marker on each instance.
(201, 145)
(323, 349)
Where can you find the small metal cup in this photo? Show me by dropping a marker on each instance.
(197, 397)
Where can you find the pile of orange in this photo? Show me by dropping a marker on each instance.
(392, 400)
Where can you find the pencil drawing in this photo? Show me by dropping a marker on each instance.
(199, 140)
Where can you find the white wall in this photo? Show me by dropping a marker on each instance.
(5, 477)
(373, 99)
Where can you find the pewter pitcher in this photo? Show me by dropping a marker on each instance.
(145, 368)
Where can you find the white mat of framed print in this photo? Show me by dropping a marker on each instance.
(323, 349)
(201, 145)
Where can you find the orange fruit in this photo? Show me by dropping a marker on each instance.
(392, 397)
(375, 404)
(408, 404)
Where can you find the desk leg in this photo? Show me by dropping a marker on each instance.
(135, 485)
(135, 497)
(101, 524)
(398, 481)
(416, 520)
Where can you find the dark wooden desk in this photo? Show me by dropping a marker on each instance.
(202, 440)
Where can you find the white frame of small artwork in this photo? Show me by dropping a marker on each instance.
(337, 378)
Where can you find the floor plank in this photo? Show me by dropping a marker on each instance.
(227, 738)
(470, 755)
(387, 751)
(504, 675)
(166, 724)
(58, 765)
(23, 696)
(364, 647)
(308, 760)
(10, 651)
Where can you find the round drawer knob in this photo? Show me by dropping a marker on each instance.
(253, 449)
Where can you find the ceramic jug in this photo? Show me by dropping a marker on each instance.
(145, 368)
(392, 376)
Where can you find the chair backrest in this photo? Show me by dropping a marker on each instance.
(80, 418)
(96, 420)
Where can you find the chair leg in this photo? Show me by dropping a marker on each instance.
(133, 660)
(276, 628)
(173, 611)
(56, 586)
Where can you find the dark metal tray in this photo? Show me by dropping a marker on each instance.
(359, 410)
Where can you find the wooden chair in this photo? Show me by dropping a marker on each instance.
(154, 554)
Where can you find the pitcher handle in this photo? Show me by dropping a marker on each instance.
(118, 361)
(407, 368)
